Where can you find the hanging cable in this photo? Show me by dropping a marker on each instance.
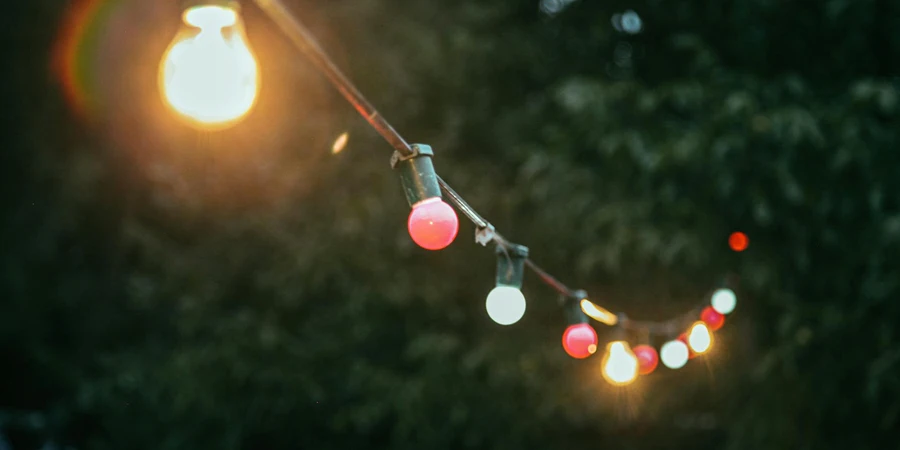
(506, 303)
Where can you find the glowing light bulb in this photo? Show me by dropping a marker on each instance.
(580, 340)
(712, 318)
(674, 354)
(723, 301)
(647, 357)
(433, 224)
(505, 305)
(699, 338)
(208, 74)
(620, 366)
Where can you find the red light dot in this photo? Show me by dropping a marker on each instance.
(580, 340)
(433, 224)
(647, 358)
(712, 318)
(738, 241)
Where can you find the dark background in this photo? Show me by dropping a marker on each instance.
(164, 288)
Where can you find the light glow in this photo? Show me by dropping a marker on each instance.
(674, 354)
(620, 365)
(723, 301)
(597, 313)
(210, 76)
(699, 338)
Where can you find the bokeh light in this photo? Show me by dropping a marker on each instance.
(674, 354)
(580, 340)
(620, 365)
(724, 301)
(699, 338)
(738, 241)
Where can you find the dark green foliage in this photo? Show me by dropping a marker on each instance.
(168, 290)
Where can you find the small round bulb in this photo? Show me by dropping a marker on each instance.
(505, 305)
(674, 354)
(433, 224)
(712, 318)
(724, 300)
(620, 366)
(699, 338)
(580, 340)
(647, 357)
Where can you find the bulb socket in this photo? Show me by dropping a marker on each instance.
(417, 174)
(574, 314)
(511, 265)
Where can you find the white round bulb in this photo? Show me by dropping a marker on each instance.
(674, 354)
(724, 301)
(699, 338)
(505, 305)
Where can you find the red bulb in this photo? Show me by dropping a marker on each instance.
(738, 241)
(647, 358)
(580, 341)
(712, 318)
(433, 224)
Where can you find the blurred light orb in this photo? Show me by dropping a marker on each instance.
(580, 340)
(433, 224)
(712, 318)
(674, 354)
(631, 22)
(699, 338)
(738, 241)
(552, 7)
(647, 358)
(210, 76)
(620, 365)
(505, 305)
(724, 301)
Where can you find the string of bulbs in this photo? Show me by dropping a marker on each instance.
(433, 223)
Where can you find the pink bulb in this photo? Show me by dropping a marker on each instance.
(647, 358)
(580, 340)
(433, 224)
(713, 319)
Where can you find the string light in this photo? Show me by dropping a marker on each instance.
(505, 304)
(580, 340)
(724, 301)
(699, 338)
(712, 318)
(738, 241)
(674, 354)
(620, 365)
(432, 223)
(209, 75)
(647, 358)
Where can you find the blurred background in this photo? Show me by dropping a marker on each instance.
(165, 288)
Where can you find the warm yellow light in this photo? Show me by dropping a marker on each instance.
(700, 338)
(620, 365)
(208, 74)
(597, 313)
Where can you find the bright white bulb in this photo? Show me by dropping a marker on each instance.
(210, 76)
(724, 301)
(620, 366)
(505, 305)
(700, 339)
(674, 354)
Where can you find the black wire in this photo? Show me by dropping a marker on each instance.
(304, 40)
